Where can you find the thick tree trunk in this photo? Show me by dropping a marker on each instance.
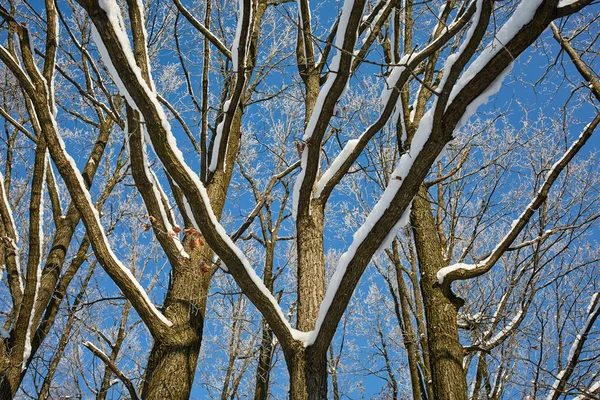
(308, 374)
(311, 268)
(171, 368)
(445, 350)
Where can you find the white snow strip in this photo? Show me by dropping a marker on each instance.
(336, 164)
(504, 333)
(522, 15)
(349, 147)
(140, 7)
(4, 199)
(97, 222)
(398, 176)
(445, 271)
(374, 22)
(316, 113)
(565, 3)
(577, 344)
(157, 190)
(30, 328)
(112, 9)
(441, 274)
(239, 65)
(402, 222)
(592, 389)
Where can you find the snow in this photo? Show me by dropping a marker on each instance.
(324, 92)
(336, 164)
(239, 65)
(522, 15)
(592, 389)
(140, 7)
(577, 344)
(158, 193)
(75, 171)
(439, 19)
(350, 146)
(402, 222)
(113, 11)
(4, 199)
(504, 333)
(27, 349)
(398, 177)
(565, 3)
(374, 22)
(301, 23)
(441, 274)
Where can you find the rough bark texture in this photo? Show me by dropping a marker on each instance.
(308, 374)
(445, 350)
(311, 268)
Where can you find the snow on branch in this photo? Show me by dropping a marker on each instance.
(27, 311)
(395, 186)
(113, 368)
(332, 89)
(239, 51)
(593, 311)
(114, 46)
(11, 242)
(39, 91)
(461, 271)
(390, 99)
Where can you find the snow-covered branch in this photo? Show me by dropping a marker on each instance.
(113, 368)
(117, 55)
(390, 101)
(331, 91)
(37, 89)
(463, 271)
(593, 311)
(239, 54)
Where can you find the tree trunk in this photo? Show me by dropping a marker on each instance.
(171, 368)
(308, 374)
(311, 268)
(445, 350)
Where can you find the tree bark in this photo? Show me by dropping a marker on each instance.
(308, 374)
(445, 351)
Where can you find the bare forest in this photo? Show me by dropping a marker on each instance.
(277, 199)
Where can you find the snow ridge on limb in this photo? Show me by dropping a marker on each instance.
(448, 120)
(563, 376)
(336, 82)
(12, 237)
(152, 194)
(398, 177)
(36, 247)
(162, 140)
(37, 88)
(390, 98)
(239, 50)
(462, 271)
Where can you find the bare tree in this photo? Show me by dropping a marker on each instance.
(431, 81)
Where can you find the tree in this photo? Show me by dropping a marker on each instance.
(432, 81)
